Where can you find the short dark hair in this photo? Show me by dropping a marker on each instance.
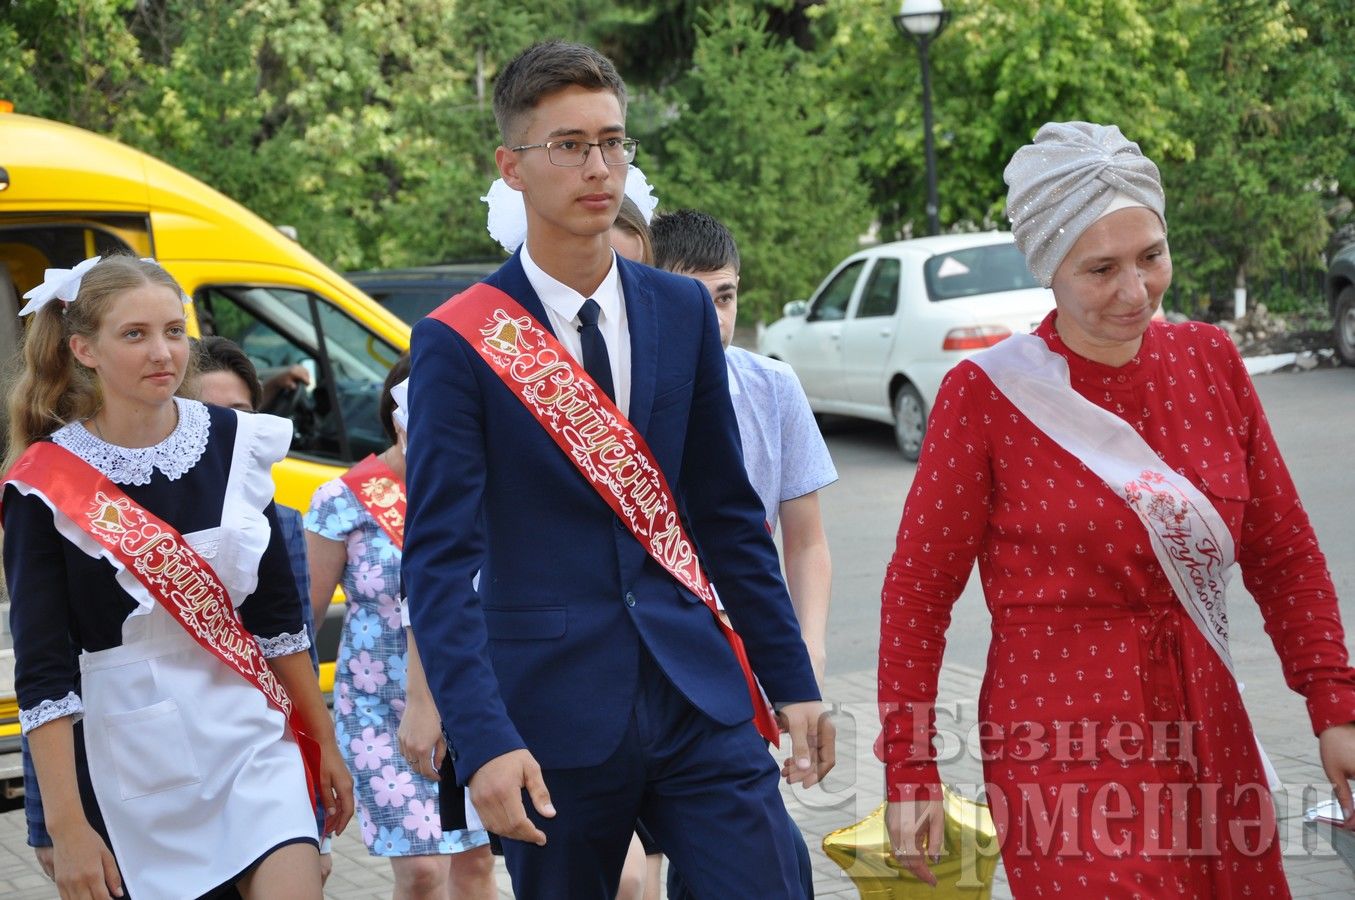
(385, 407)
(630, 219)
(541, 70)
(214, 353)
(687, 240)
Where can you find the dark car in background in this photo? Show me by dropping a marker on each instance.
(415, 292)
(1341, 296)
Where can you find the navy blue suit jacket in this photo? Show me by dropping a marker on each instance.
(545, 655)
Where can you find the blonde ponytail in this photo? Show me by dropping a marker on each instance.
(46, 389)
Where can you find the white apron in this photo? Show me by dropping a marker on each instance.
(195, 773)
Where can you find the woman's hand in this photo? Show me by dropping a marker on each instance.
(336, 787)
(420, 736)
(916, 830)
(1336, 747)
(85, 868)
(44, 855)
(336, 782)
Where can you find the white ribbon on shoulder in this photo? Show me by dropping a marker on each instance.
(1189, 537)
(400, 394)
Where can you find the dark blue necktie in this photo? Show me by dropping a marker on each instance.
(595, 359)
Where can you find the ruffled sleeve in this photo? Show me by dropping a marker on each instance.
(49, 710)
(272, 610)
(266, 440)
(260, 441)
(284, 644)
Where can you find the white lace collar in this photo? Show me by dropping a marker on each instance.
(173, 456)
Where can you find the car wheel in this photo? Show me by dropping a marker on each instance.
(910, 421)
(1345, 325)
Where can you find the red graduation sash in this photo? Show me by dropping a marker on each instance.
(173, 573)
(597, 438)
(382, 494)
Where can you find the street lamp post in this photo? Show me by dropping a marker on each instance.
(923, 21)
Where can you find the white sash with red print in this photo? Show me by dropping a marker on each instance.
(1188, 536)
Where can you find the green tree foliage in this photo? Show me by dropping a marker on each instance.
(653, 40)
(364, 125)
(367, 124)
(383, 125)
(1268, 115)
(1245, 104)
(999, 72)
(73, 60)
(754, 143)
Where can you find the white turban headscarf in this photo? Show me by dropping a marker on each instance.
(1066, 180)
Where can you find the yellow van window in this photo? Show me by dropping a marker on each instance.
(31, 243)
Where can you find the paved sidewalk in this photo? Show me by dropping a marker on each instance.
(855, 788)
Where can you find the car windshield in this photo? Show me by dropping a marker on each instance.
(412, 302)
(991, 269)
(414, 293)
(277, 328)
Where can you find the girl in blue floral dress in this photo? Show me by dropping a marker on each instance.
(396, 806)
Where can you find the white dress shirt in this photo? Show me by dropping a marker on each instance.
(562, 304)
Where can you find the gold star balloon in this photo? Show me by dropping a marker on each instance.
(965, 872)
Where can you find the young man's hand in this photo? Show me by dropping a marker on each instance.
(813, 742)
(496, 790)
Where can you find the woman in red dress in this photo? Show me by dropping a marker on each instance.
(1118, 757)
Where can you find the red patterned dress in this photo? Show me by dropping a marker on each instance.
(1118, 756)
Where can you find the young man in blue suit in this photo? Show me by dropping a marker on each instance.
(581, 677)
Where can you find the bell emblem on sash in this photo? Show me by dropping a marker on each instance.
(106, 516)
(505, 337)
(382, 492)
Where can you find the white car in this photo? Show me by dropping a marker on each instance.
(885, 327)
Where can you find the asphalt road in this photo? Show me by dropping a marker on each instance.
(1312, 413)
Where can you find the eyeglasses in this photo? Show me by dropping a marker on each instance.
(572, 153)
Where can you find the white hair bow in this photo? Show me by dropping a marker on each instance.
(507, 222)
(400, 394)
(57, 284)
